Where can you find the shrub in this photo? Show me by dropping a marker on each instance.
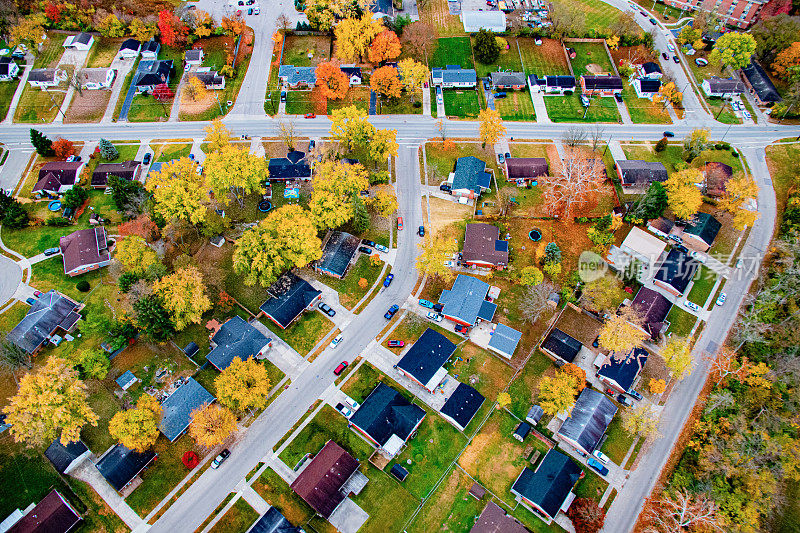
(83, 286)
(726, 146)
(57, 221)
(735, 153)
(417, 105)
(126, 280)
(661, 145)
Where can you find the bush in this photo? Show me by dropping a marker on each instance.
(74, 197)
(83, 286)
(661, 145)
(57, 221)
(417, 105)
(126, 280)
(735, 153)
(726, 146)
(718, 146)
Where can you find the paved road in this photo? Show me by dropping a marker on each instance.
(10, 278)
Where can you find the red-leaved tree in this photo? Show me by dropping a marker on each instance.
(586, 515)
(173, 31)
(141, 226)
(190, 459)
(62, 148)
(162, 92)
(53, 11)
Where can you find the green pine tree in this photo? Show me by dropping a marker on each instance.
(552, 253)
(108, 150)
(43, 145)
(360, 216)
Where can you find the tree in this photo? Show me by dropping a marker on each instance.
(236, 172)
(135, 255)
(173, 31)
(74, 197)
(503, 399)
(384, 46)
(688, 35)
(137, 428)
(286, 132)
(153, 318)
(434, 253)
(163, 93)
(184, 295)
(217, 135)
(586, 515)
(385, 81)
(243, 385)
(683, 194)
(141, 31)
(108, 151)
(677, 357)
(195, 89)
(641, 419)
(349, 126)
(578, 373)
(418, 38)
(53, 12)
(534, 301)
(42, 145)
(412, 74)
(486, 49)
(361, 220)
(28, 31)
(111, 27)
(335, 183)
(179, 191)
(575, 181)
(600, 295)
(621, 333)
(62, 148)
(733, 49)
(774, 35)
(50, 402)
(552, 253)
(384, 203)
(557, 393)
(491, 126)
(332, 82)
(574, 135)
(12, 357)
(695, 143)
(739, 193)
(12, 214)
(661, 145)
(566, 20)
(286, 238)
(651, 205)
(681, 511)
(129, 196)
(211, 425)
(530, 275)
(657, 386)
(353, 36)
(669, 93)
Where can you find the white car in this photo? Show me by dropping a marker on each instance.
(381, 248)
(693, 306)
(670, 47)
(721, 298)
(354, 405)
(603, 458)
(747, 115)
(436, 317)
(335, 342)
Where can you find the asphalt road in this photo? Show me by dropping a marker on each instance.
(9, 279)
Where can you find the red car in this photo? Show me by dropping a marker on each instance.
(238, 12)
(311, 115)
(399, 223)
(395, 344)
(340, 368)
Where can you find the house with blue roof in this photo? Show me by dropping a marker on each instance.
(236, 338)
(298, 77)
(504, 340)
(177, 408)
(454, 77)
(470, 177)
(466, 302)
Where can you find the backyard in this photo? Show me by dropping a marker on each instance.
(437, 14)
(547, 59)
(591, 58)
(306, 50)
(450, 508)
(642, 110)
(452, 51)
(509, 59)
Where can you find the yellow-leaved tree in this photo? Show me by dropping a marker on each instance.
(211, 425)
(641, 419)
(28, 31)
(235, 172)
(683, 195)
(557, 393)
(135, 255)
(383, 203)
(243, 385)
(435, 251)
(51, 402)
(350, 126)
(353, 36)
(184, 296)
(491, 126)
(137, 428)
(335, 183)
(739, 193)
(677, 356)
(620, 332)
(412, 75)
(217, 135)
(180, 191)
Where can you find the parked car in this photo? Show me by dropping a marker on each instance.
(445, 187)
(600, 456)
(670, 47)
(426, 303)
(682, 248)
(585, 100)
(461, 329)
(675, 59)
(51, 251)
(721, 298)
(395, 343)
(310, 115)
(335, 342)
(30, 301)
(72, 158)
(382, 248)
(747, 115)
(642, 13)
(618, 97)
(508, 155)
(367, 242)
(486, 82)
(594, 463)
(364, 250)
(218, 460)
(388, 280)
(739, 263)
(325, 308)
(668, 134)
(147, 157)
(399, 223)
(665, 55)
(283, 93)
(250, 11)
(624, 400)
(498, 96)
(436, 317)
(256, 10)
(691, 305)
(653, 21)
(342, 408)
(391, 312)
(438, 307)
(421, 231)
(339, 369)
(501, 158)
(596, 342)
(351, 403)
(37, 293)
(186, 67)
(635, 394)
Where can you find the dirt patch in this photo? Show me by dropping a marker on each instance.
(594, 68)
(195, 107)
(87, 107)
(634, 54)
(444, 213)
(489, 459)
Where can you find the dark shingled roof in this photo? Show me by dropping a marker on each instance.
(103, 171)
(624, 369)
(725, 85)
(494, 519)
(62, 456)
(564, 82)
(550, 484)
(5, 65)
(320, 483)
(653, 307)
(506, 79)
(635, 172)
(589, 419)
(42, 74)
(120, 465)
(386, 412)
(82, 38)
(235, 338)
(273, 522)
(57, 173)
(53, 514)
(51, 311)
(677, 270)
(151, 46)
(178, 407)
(130, 44)
(662, 224)
(650, 86)
(338, 252)
(761, 83)
(602, 82)
(83, 248)
(153, 72)
(466, 300)
(470, 173)
(482, 243)
(428, 354)
(651, 67)
(704, 226)
(293, 166)
(526, 167)
(209, 78)
(462, 405)
(289, 296)
(562, 345)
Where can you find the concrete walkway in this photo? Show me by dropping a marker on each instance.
(616, 151)
(18, 94)
(426, 102)
(87, 472)
(623, 112)
(255, 500)
(281, 354)
(540, 107)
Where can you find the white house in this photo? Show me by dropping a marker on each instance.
(354, 73)
(722, 88)
(193, 57)
(44, 77)
(129, 49)
(150, 49)
(489, 20)
(551, 84)
(650, 70)
(96, 78)
(8, 69)
(454, 77)
(646, 87)
(82, 41)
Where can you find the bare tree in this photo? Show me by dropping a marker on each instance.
(626, 24)
(597, 136)
(283, 22)
(74, 81)
(574, 135)
(286, 132)
(682, 511)
(573, 182)
(440, 125)
(504, 196)
(419, 37)
(534, 302)
(566, 20)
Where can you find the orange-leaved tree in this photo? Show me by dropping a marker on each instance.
(384, 46)
(332, 82)
(385, 81)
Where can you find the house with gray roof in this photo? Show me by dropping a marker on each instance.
(466, 301)
(289, 296)
(508, 80)
(210, 79)
(676, 272)
(65, 458)
(81, 41)
(43, 77)
(474, 21)
(274, 522)
(638, 174)
(588, 421)
(96, 78)
(193, 57)
(483, 247)
(646, 87)
(548, 489)
(758, 80)
(298, 77)
(120, 465)
(292, 167)
(454, 77)
(151, 73)
(387, 419)
(150, 49)
(8, 69)
(722, 87)
(236, 338)
(552, 84)
(178, 407)
(461, 407)
(50, 313)
(338, 252)
(424, 362)
(603, 86)
(58, 177)
(525, 169)
(129, 49)
(469, 178)
(650, 69)
(504, 340)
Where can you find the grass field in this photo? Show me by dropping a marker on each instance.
(276, 491)
(703, 283)
(305, 332)
(38, 106)
(7, 90)
(387, 502)
(680, 322)
(237, 519)
(618, 441)
(357, 96)
(517, 105)
(298, 47)
(464, 104)
(450, 508)
(452, 51)
(400, 106)
(348, 288)
(599, 16)
(437, 14)
(642, 110)
(545, 60)
(167, 152)
(782, 161)
(569, 109)
(509, 59)
(103, 52)
(299, 103)
(590, 54)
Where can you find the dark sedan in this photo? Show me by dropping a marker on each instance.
(366, 242)
(391, 312)
(364, 250)
(325, 308)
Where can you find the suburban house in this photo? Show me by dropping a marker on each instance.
(653, 308)
(178, 407)
(82, 41)
(639, 250)
(54, 514)
(338, 252)
(483, 247)
(292, 167)
(354, 74)
(96, 78)
(387, 419)
(129, 49)
(84, 250)
(383, 8)
(722, 88)
(757, 80)
(44, 78)
(65, 458)
(461, 406)
(650, 70)
(298, 77)
(51, 312)
(127, 170)
(289, 296)
(466, 302)
(494, 519)
(8, 69)
(515, 81)
(274, 522)
(548, 489)
(560, 346)
(646, 87)
(588, 421)
(552, 84)
(57, 177)
(638, 174)
(676, 272)
(660, 226)
(454, 77)
(700, 233)
(193, 57)
(151, 73)
(504, 340)
(424, 362)
(474, 21)
(236, 338)
(619, 371)
(210, 79)
(526, 169)
(119, 465)
(150, 49)
(470, 178)
(716, 178)
(601, 85)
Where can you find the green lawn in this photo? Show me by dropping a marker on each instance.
(299, 103)
(618, 441)
(305, 332)
(297, 48)
(237, 519)
(587, 54)
(509, 60)
(356, 96)
(461, 103)
(168, 152)
(49, 274)
(547, 59)
(591, 486)
(277, 493)
(703, 283)
(569, 109)
(782, 160)
(722, 110)
(524, 386)
(517, 105)
(661, 9)
(670, 157)
(450, 508)
(7, 90)
(12, 316)
(38, 106)
(680, 322)
(51, 52)
(452, 51)
(642, 110)
(350, 293)
(599, 16)
(387, 502)
(145, 108)
(326, 425)
(401, 106)
(103, 52)
(360, 384)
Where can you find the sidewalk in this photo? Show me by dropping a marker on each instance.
(426, 102)
(616, 151)
(540, 108)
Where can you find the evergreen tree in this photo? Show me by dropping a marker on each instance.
(153, 318)
(486, 48)
(651, 205)
(552, 253)
(12, 214)
(108, 150)
(360, 215)
(43, 145)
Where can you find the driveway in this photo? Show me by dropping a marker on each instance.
(87, 472)
(10, 280)
(123, 68)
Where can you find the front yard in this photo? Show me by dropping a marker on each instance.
(568, 108)
(350, 292)
(642, 110)
(304, 333)
(517, 105)
(458, 103)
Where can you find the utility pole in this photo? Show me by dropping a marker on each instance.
(609, 142)
(726, 132)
